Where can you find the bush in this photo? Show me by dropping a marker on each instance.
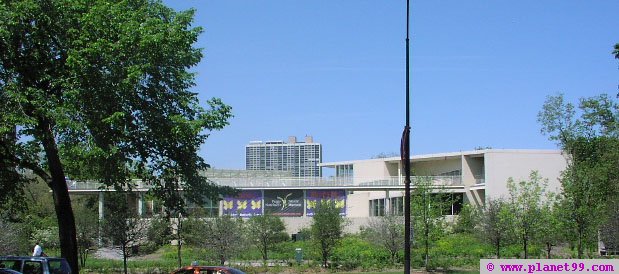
(354, 252)
(459, 250)
(159, 232)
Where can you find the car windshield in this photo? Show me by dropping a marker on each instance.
(11, 264)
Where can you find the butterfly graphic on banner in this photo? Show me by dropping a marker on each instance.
(228, 205)
(241, 204)
(256, 204)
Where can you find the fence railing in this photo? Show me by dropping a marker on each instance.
(277, 182)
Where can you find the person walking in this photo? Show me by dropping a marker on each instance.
(38, 250)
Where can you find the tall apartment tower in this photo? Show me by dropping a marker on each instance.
(299, 158)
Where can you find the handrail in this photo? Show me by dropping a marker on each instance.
(271, 182)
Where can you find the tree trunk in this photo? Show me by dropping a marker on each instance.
(524, 240)
(580, 244)
(124, 247)
(498, 249)
(548, 248)
(60, 192)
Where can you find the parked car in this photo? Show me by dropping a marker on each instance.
(198, 269)
(35, 265)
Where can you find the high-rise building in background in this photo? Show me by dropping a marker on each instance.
(299, 158)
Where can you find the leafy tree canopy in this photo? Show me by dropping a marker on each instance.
(93, 89)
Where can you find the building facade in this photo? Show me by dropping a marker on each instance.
(363, 189)
(301, 159)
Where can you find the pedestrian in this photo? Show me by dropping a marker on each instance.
(38, 250)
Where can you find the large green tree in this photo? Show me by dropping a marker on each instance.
(589, 135)
(97, 89)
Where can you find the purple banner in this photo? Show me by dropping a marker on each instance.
(246, 204)
(315, 197)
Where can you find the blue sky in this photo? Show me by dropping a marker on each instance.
(335, 69)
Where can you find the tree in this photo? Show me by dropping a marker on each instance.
(87, 224)
(494, 224)
(388, 233)
(525, 204)
(9, 238)
(550, 230)
(224, 236)
(327, 228)
(122, 227)
(265, 231)
(466, 220)
(591, 181)
(609, 233)
(101, 90)
(428, 206)
(159, 232)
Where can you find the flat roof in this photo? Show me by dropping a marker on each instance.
(446, 155)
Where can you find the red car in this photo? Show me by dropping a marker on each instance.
(197, 269)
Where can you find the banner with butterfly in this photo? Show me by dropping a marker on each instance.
(315, 197)
(246, 204)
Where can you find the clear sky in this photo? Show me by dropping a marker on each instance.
(335, 69)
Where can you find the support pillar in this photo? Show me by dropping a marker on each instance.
(140, 204)
(387, 203)
(101, 214)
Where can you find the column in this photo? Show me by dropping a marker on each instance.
(140, 205)
(99, 239)
(387, 203)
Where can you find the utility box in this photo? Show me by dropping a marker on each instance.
(298, 255)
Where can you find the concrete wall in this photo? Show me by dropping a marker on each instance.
(370, 169)
(518, 164)
(435, 167)
(358, 204)
(295, 224)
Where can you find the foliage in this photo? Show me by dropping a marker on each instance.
(224, 236)
(101, 90)
(159, 232)
(87, 224)
(525, 205)
(494, 224)
(47, 237)
(460, 250)
(327, 229)
(10, 238)
(551, 231)
(591, 181)
(466, 220)
(265, 231)
(121, 226)
(609, 233)
(354, 252)
(387, 232)
(427, 207)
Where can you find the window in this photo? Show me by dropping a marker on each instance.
(377, 207)
(32, 268)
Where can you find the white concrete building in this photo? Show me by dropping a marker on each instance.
(475, 175)
(366, 188)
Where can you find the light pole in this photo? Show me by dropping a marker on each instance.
(405, 151)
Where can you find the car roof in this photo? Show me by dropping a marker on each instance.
(8, 271)
(30, 258)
